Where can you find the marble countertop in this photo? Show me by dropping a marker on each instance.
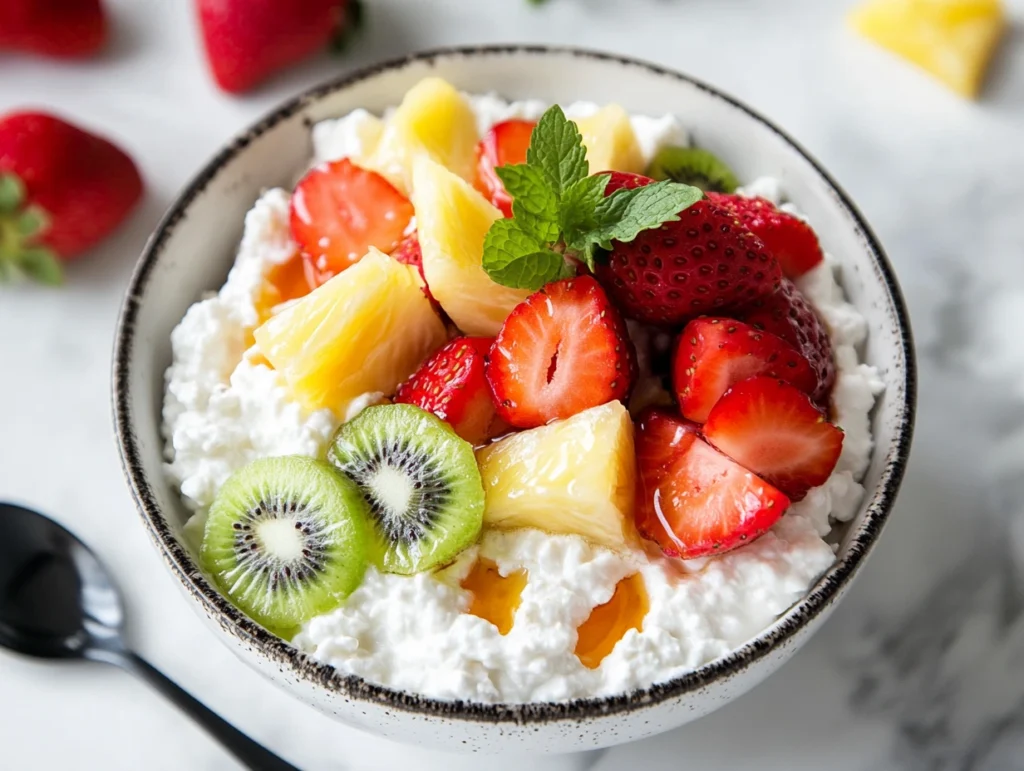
(922, 667)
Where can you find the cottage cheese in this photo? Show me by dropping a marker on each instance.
(223, 409)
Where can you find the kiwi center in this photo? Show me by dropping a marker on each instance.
(281, 541)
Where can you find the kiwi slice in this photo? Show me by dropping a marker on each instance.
(693, 166)
(420, 480)
(287, 539)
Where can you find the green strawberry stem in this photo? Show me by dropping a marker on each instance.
(21, 225)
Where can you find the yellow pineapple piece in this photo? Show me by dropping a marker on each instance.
(433, 120)
(452, 219)
(952, 39)
(366, 330)
(572, 476)
(610, 141)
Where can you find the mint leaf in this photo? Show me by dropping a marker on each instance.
(626, 213)
(534, 202)
(556, 148)
(578, 214)
(516, 258)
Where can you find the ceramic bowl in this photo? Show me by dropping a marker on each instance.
(191, 252)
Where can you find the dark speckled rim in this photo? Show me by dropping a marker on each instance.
(305, 668)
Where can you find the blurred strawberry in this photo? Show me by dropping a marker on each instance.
(62, 190)
(65, 29)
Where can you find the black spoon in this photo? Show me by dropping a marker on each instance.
(57, 602)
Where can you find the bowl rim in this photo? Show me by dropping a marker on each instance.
(825, 592)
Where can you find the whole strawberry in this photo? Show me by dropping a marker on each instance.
(66, 29)
(249, 40)
(62, 190)
(704, 262)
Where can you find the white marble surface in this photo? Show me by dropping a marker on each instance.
(921, 668)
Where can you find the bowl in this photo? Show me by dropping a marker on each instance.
(191, 252)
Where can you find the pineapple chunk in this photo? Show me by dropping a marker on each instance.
(573, 476)
(365, 330)
(610, 141)
(433, 120)
(952, 39)
(452, 219)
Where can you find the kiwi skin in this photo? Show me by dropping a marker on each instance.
(693, 166)
(444, 502)
(311, 557)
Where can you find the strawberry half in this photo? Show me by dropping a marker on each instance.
(453, 386)
(340, 210)
(506, 143)
(692, 500)
(776, 431)
(788, 314)
(705, 262)
(791, 240)
(562, 350)
(713, 354)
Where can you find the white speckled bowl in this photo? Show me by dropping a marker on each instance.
(192, 250)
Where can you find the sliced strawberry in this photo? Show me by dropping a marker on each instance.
(790, 239)
(692, 500)
(789, 315)
(453, 386)
(340, 210)
(562, 350)
(409, 253)
(505, 144)
(776, 431)
(713, 354)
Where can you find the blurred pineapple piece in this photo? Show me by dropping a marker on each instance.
(366, 330)
(610, 141)
(452, 219)
(433, 120)
(952, 39)
(573, 476)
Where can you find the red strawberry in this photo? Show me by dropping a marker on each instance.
(788, 315)
(62, 190)
(790, 240)
(702, 263)
(340, 210)
(713, 354)
(624, 180)
(776, 431)
(692, 500)
(249, 40)
(505, 144)
(66, 29)
(453, 386)
(562, 350)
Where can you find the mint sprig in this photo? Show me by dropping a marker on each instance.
(560, 214)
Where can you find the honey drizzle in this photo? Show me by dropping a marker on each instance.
(606, 625)
(495, 597)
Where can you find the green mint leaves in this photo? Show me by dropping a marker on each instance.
(560, 212)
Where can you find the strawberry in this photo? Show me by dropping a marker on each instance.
(713, 354)
(791, 240)
(340, 210)
(248, 40)
(788, 315)
(505, 144)
(776, 431)
(65, 29)
(692, 500)
(62, 190)
(453, 386)
(624, 180)
(562, 350)
(704, 262)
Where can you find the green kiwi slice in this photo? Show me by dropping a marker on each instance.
(287, 539)
(693, 166)
(420, 480)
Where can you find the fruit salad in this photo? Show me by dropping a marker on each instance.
(506, 402)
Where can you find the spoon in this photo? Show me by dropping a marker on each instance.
(57, 602)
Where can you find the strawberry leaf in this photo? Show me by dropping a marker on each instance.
(12, 192)
(556, 148)
(33, 221)
(40, 264)
(534, 201)
(516, 258)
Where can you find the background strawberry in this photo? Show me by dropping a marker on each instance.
(59, 28)
(249, 40)
(505, 144)
(62, 190)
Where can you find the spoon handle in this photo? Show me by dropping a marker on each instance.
(250, 753)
